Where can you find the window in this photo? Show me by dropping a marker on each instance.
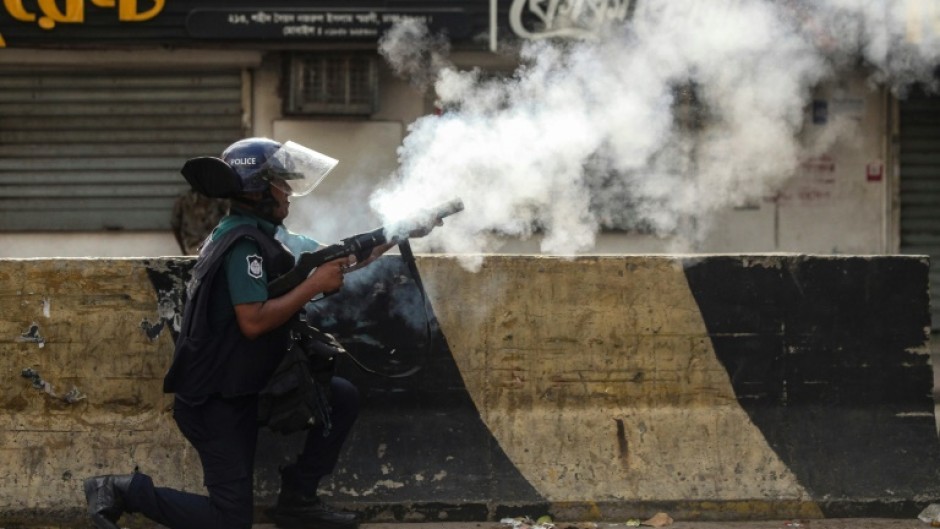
(333, 83)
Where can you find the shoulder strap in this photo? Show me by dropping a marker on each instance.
(211, 253)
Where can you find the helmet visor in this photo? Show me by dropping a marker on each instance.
(297, 170)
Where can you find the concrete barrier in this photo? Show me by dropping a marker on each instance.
(605, 388)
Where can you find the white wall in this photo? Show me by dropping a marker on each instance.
(831, 206)
(90, 244)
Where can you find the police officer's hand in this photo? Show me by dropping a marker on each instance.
(329, 275)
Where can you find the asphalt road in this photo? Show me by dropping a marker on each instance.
(829, 523)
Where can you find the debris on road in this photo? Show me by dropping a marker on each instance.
(931, 515)
(660, 519)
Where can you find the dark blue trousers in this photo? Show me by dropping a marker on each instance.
(224, 433)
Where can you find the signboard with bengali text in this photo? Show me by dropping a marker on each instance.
(122, 23)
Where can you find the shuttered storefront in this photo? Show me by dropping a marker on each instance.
(92, 151)
(920, 186)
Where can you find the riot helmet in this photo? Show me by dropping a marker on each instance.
(290, 167)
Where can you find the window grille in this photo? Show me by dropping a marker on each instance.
(333, 83)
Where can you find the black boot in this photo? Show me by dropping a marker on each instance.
(295, 510)
(105, 496)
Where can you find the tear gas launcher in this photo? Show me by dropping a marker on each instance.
(361, 245)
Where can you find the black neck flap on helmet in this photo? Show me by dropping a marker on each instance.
(214, 178)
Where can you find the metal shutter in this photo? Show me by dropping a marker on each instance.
(920, 186)
(102, 150)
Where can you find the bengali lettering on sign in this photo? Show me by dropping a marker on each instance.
(48, 14)
(287, 24)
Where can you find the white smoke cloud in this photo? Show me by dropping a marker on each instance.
(584, 133)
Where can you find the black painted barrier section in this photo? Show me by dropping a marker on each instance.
(827, 357)
(419, 449)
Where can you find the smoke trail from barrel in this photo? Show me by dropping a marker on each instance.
(590, 133)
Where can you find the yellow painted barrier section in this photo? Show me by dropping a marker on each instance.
(598, 379)
(94, 403)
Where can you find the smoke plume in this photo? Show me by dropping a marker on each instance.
(687, 108)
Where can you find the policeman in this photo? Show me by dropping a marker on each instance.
(232, 338)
